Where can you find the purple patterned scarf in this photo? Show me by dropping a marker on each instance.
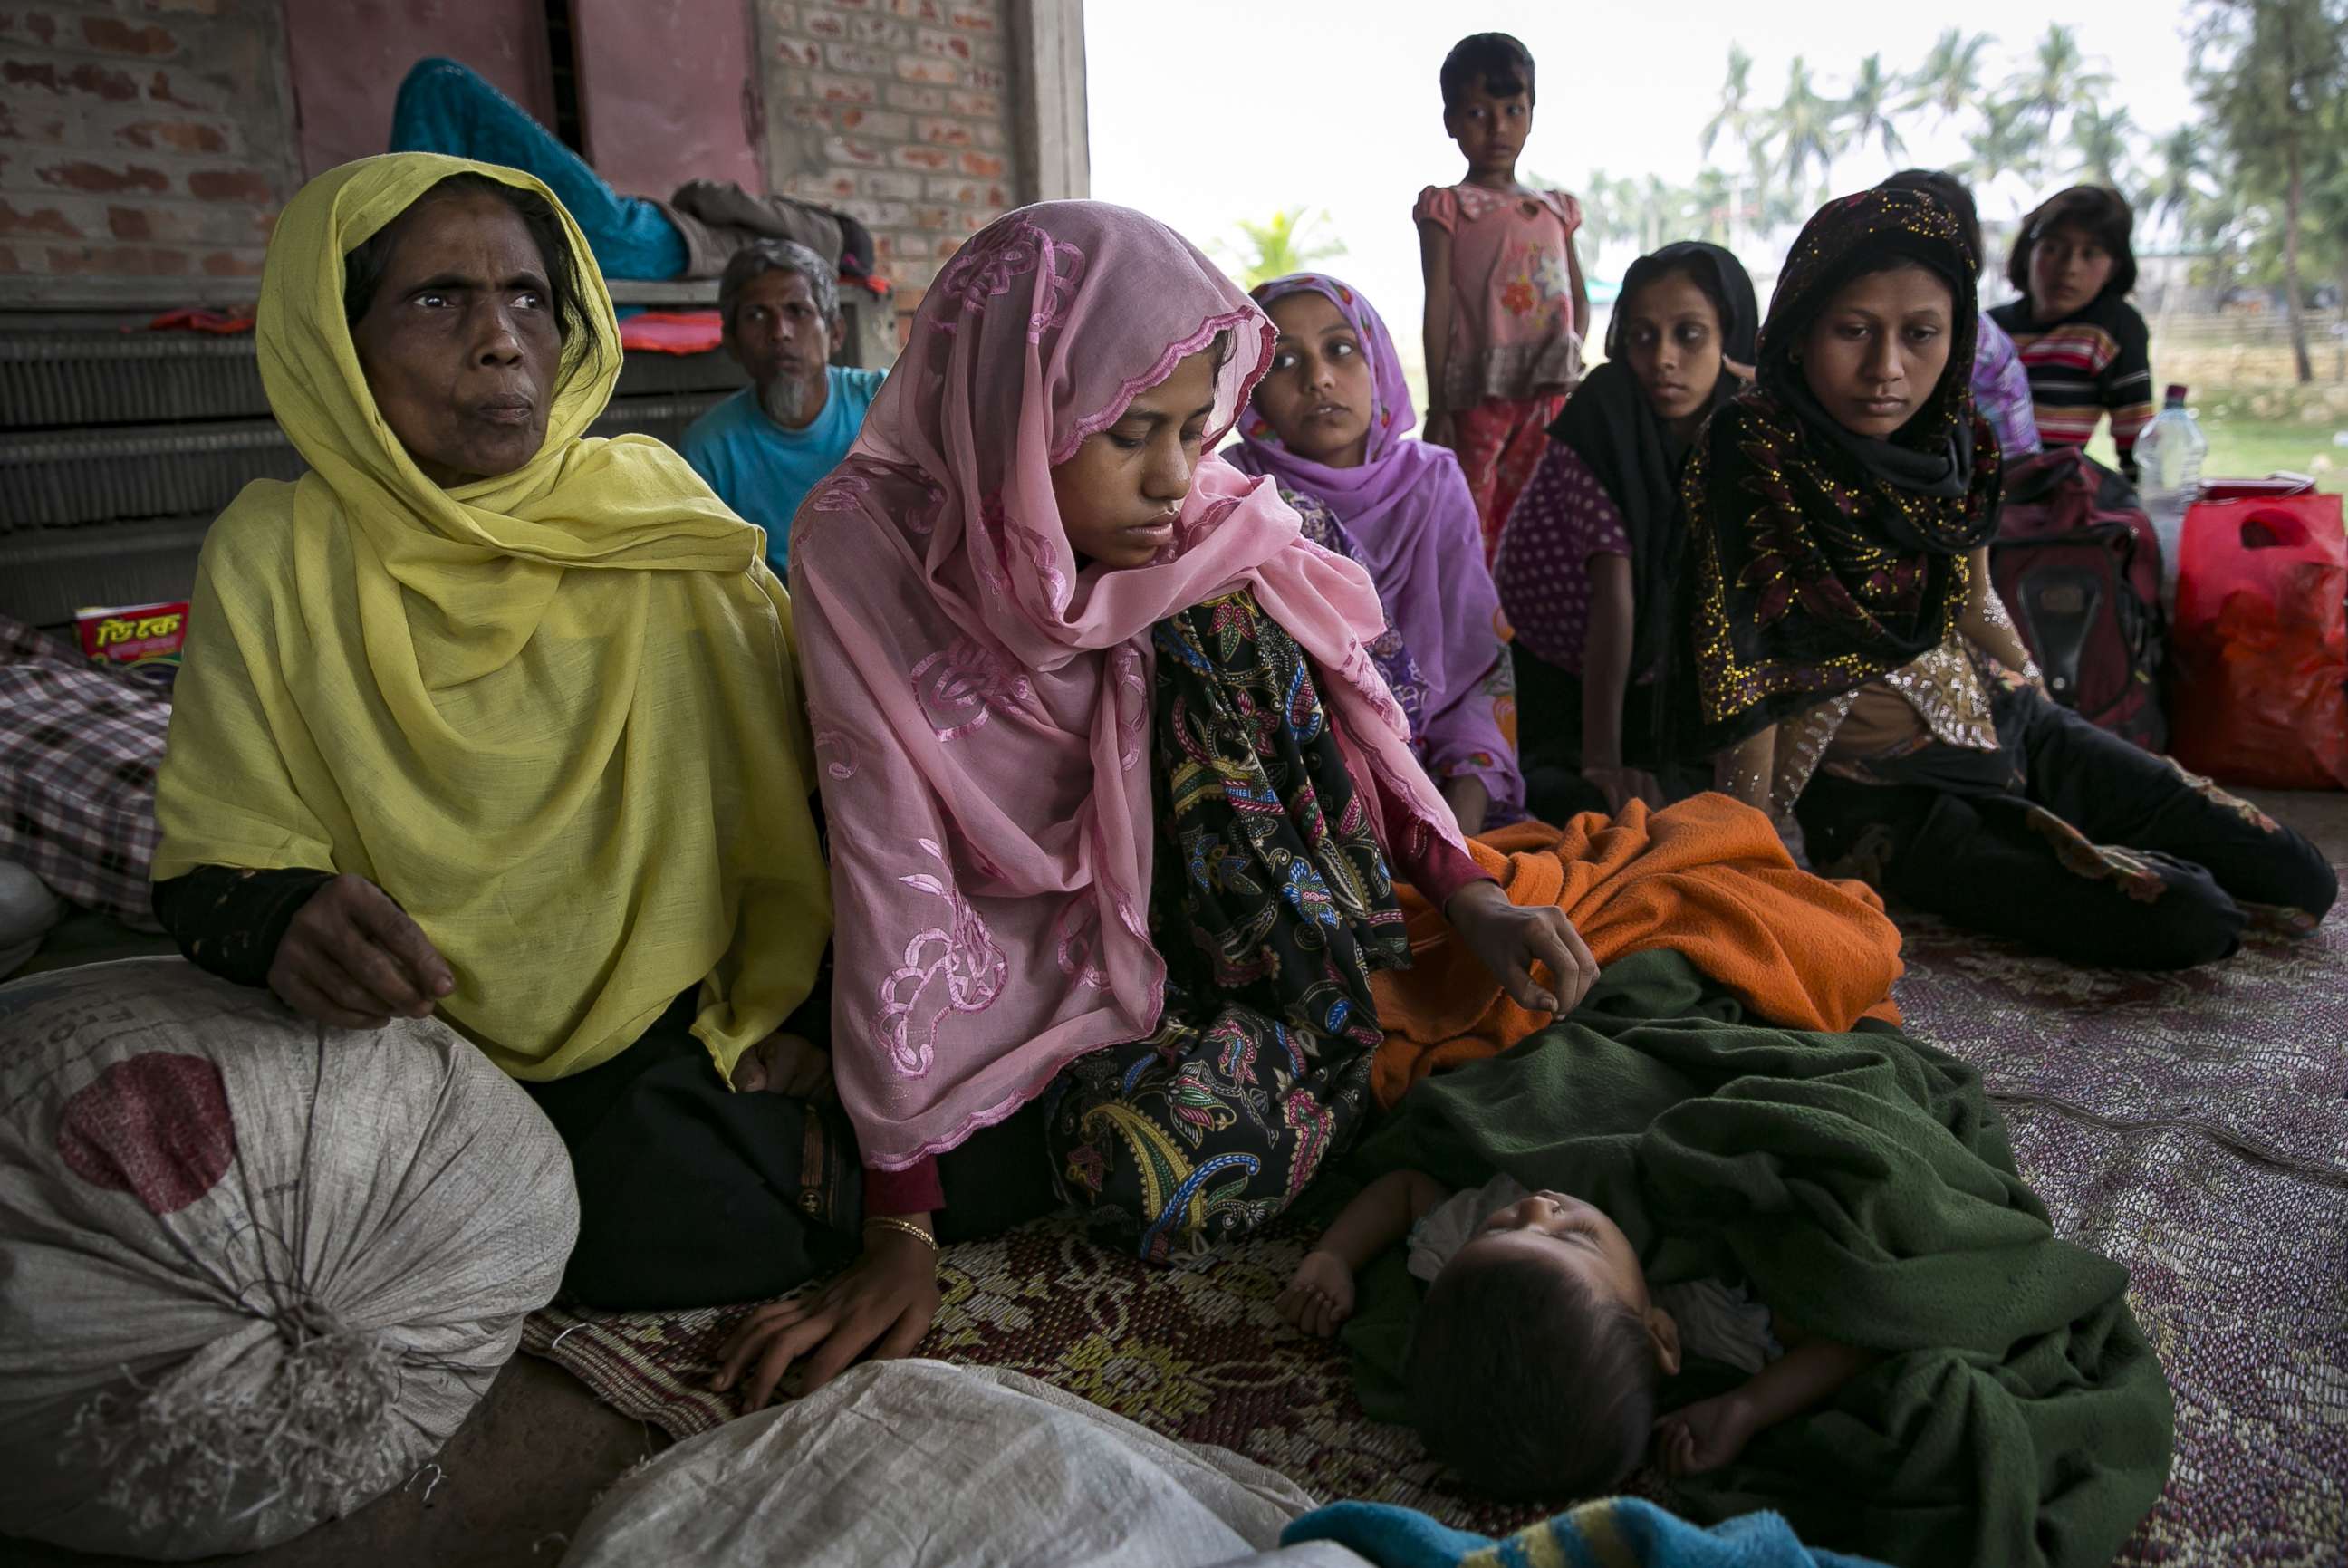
(1409, 514)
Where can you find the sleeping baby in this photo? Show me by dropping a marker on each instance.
(1539, 1349)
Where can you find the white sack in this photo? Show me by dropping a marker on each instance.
(920, 1464)
(253, 1273)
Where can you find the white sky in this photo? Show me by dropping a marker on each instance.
(1222, 109)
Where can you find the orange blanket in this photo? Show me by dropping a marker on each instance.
(1707, 878)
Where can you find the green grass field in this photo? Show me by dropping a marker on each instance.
(2252, 449)
(2249, 447)
(2256, 427)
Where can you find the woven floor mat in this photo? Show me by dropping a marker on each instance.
(2194, 1127)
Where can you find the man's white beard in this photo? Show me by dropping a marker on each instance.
(787, 399)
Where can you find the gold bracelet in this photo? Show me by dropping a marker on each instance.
(907, 1226)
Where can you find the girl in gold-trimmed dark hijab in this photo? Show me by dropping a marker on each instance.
(1848, 662)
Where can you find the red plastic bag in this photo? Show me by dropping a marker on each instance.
(2261, 644)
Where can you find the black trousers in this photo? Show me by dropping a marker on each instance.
(1549, 744)
(691, 1194)
(2106, 855)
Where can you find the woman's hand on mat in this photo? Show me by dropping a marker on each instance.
(1621, 786)
(1321, 1296)
(352, 958)
(883, 1303)
(1705, 1435)
(1511, 941)
(784, 1064)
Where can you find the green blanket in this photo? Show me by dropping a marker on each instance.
(1863, 1185)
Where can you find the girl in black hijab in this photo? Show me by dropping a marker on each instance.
(1587, 563)
(1850, 664)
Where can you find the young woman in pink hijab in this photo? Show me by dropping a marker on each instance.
(1117, 799)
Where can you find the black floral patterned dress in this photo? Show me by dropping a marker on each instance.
(1272, 904)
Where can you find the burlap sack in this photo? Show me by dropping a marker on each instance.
(253, 1273)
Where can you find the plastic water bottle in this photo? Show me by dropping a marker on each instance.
(2168, 464)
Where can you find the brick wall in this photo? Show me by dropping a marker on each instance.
(897, 111)
(140, 139)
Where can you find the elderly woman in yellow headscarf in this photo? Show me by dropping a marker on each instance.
(489, 718)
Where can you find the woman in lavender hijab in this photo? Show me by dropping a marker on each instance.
(1328, 422)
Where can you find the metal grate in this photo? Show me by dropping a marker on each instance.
(57, 378)
(68, 478)
(647, 374)
(46, 575)
(665, 417)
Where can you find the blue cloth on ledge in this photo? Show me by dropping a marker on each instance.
(446, 108)
(1611, 1532)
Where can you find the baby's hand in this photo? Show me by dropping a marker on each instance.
(1703, 1436)
(1321, 1296)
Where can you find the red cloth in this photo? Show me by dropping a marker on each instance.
(915, 1190)
(1419, 853)
(1499, 443)
(672, 331)
(221, 322)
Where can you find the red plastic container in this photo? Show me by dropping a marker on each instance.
(2261, 644)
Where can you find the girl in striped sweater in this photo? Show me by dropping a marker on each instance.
(2085, 347)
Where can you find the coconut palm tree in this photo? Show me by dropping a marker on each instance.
(1867, 108)
(1774, 205)
(2274, 76)
(2058, 75)
(1712, 207)
(2104, 139)
(2178, 191)
(1803, 126)
(1278, 246)
(1736, 111)
(1611, 210)
(1949, 82)
(1659, 206)
(2000, 144)
(1735, 114)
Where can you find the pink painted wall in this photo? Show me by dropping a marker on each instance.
(348, 57)
(667, 93)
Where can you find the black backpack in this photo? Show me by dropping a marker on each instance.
(2078, 566)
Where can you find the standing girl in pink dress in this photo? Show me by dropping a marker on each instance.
(1505, 299)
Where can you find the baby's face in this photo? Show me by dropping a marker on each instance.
(1571, 1235)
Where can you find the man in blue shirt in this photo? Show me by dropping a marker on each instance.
(765, 448)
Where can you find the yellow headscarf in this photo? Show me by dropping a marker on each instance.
(553, 713)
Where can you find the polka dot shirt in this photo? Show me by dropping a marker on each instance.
(1563, 518)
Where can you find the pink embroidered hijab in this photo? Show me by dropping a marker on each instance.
(982, 703)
